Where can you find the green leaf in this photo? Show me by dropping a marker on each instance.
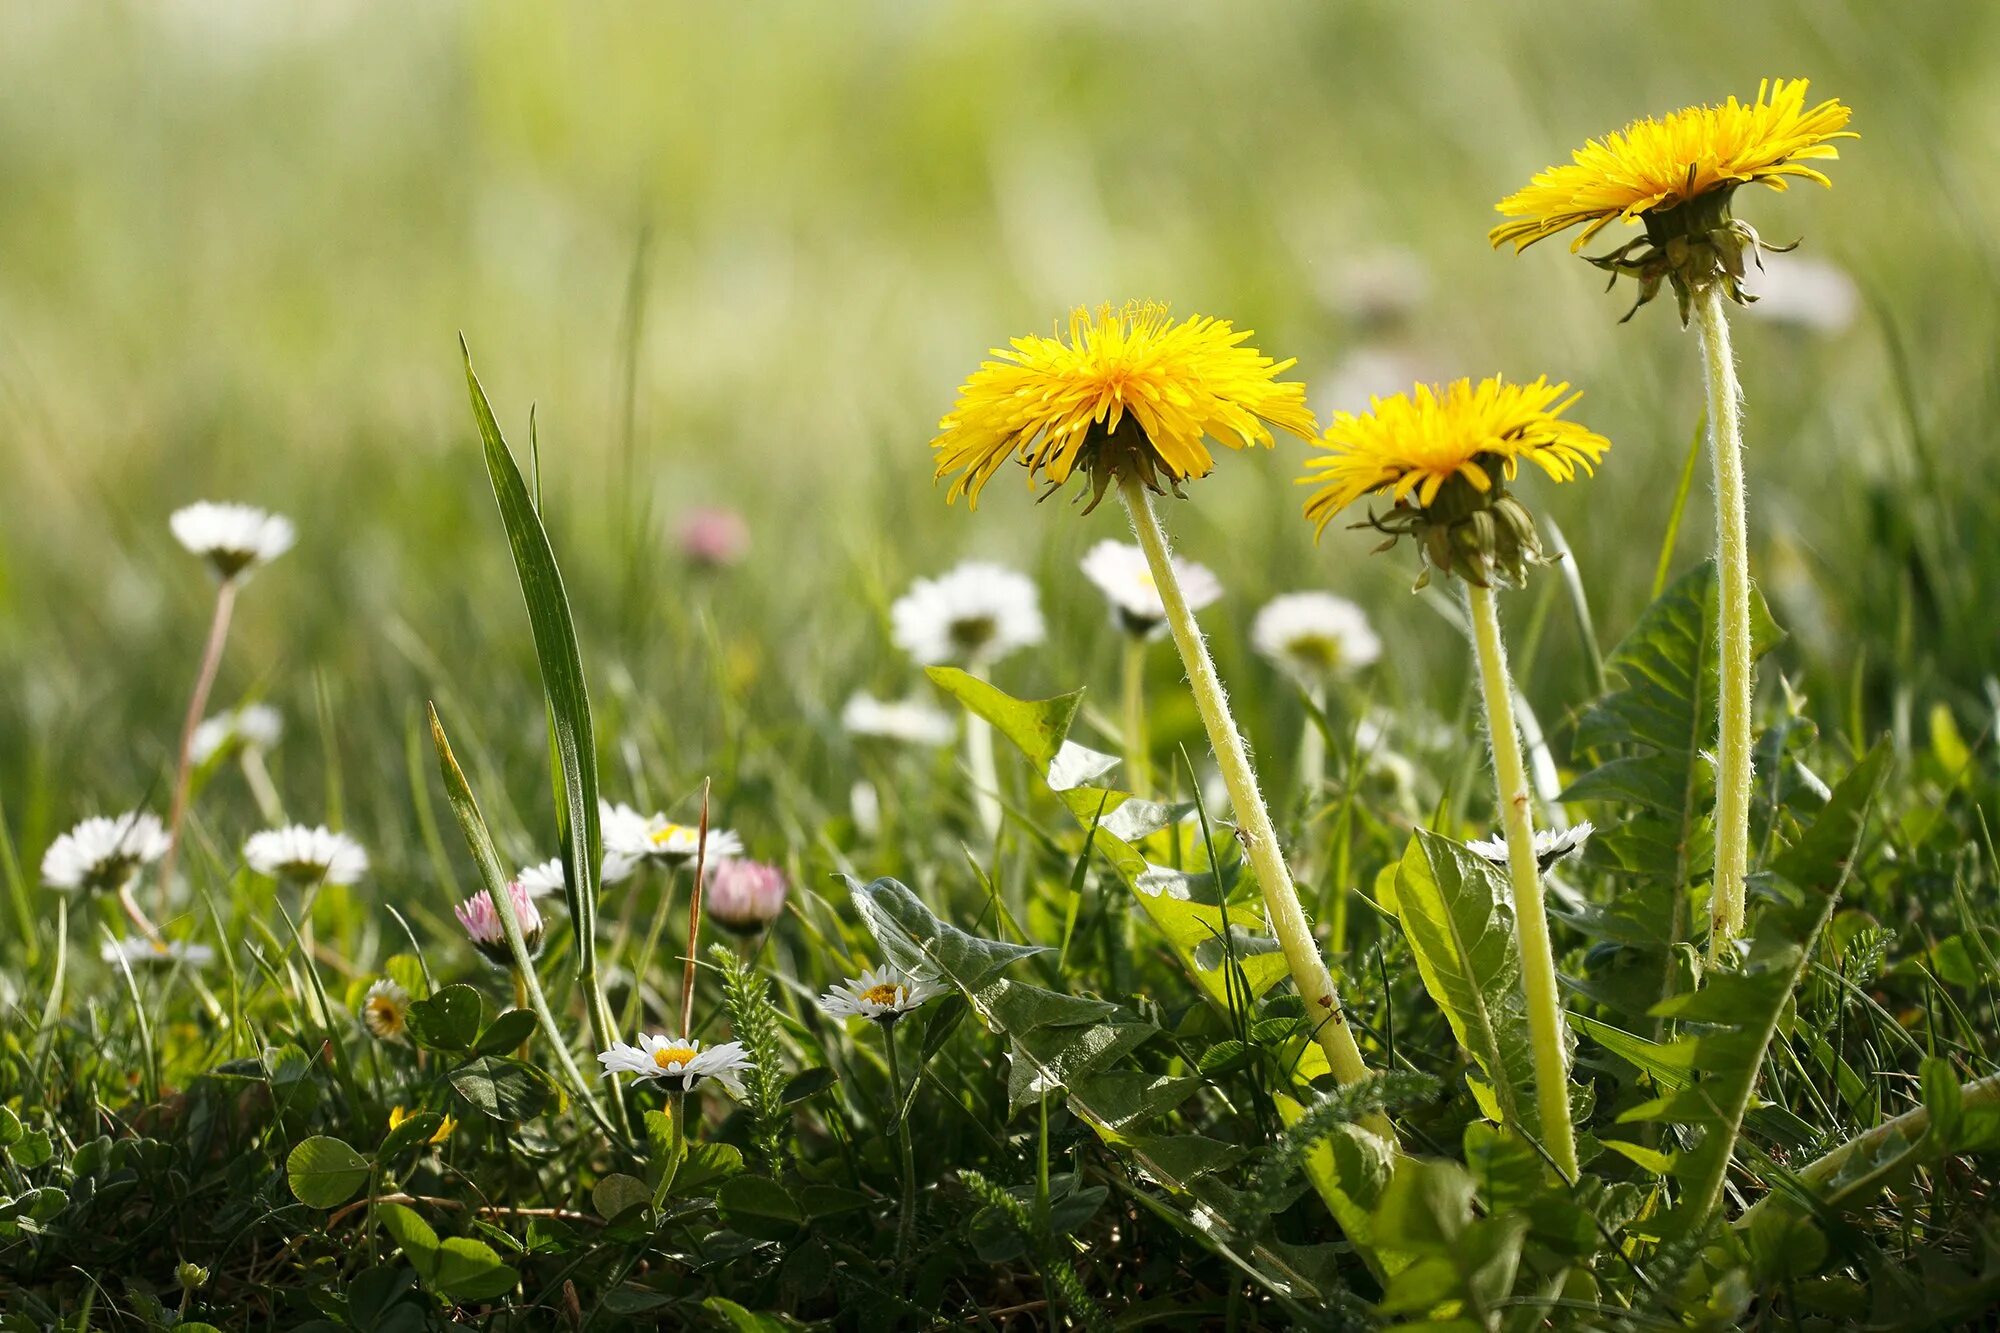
(415, 1130)
(572, 743)
(807, 1083)
(1944, 1100)
(502, 1088)
(759, 1208)
(324, 1172)
(740, 1320)
(458, 1267)
(1459, 919)
(917, 942)
(447, 1020)
(505, 1033)
(617, 1193)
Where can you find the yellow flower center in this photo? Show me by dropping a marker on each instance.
(662, 837)
(887, 993)
(385, 1015)
(668, 1056)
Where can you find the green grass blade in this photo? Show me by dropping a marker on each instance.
(1666, 561)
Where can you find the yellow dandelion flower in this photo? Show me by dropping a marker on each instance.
(1129, 390)
(397, 1115)
(1677, 175)
(1660, 163)
(1443, 458)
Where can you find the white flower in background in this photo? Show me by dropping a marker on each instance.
(1551, 846)
(301, 855)
(1803, 292)
(679, 1062)
(1377, 288)
(1120, 571)
(976, 613)
(881, 994)
(137, 951)
(1368, 373)
(384, 1010)
(1315, 636)
(631, 838)
(102, 853)
(911, 721)
(251, 727)
(743, 897)
(481, 920)
(235, 539)
(544, 880)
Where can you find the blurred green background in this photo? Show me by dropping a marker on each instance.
(743, 255)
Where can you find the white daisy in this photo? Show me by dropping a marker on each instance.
(304, 855)
(251, 727)
(911, 721)
(481, 920)
(137, 951)
(1314, 635)
(631, 838)
(1550, 846)
(101, 853)
(976, 613)
(1120, 571)
(881, 994)
(679, 1062)
(1803, 292)
(743, 897)
(544, 880)
(233, 538)
(384, 1009)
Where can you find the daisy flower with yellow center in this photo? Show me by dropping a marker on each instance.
(1443, 457)
(385, 1009)
(1676, 174)
(881, 994)
(1130, 389)
(679, 1063)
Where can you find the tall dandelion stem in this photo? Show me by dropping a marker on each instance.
(211, 662)
(1538, 968)
(1733, 776)
(1260, 839)
(979, 761)
(1138, 747)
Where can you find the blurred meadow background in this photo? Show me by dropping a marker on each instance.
(742, 256)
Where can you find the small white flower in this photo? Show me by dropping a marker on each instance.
(251, 727)
(1314, 635)
(881, 994)
(384, 1009)
(1550, 846)
(976, 613)
(483, 927)
(1120, 571)
(1803, 292)
(631, 839)
(138, 951)
(911, 721)
(544, 880)
(679, 1062)
(233, 538)
(304, 855)
(102, 852)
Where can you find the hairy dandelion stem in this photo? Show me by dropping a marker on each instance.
(1538, 968)
(1733, 776)
(1138, 747)
(204, 681)
(1254, 828)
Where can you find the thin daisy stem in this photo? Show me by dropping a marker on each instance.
(906, 1212)
(1732, 562)
(261, 787)
(1254, 828)
(1538, 969)
(1138, 747)
(204, 681)
(1312, 745)
(979, 759)
(136, 913)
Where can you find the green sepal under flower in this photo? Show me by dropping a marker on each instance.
(1482, 536)
(1691, 244)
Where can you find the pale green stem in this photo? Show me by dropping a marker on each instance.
(1253, 819)
(1138, 748)
(261, 787)
(1732, 563)
(1312, 746)
(1517, 819)
(979, 760)
(905, 1213)
(204, 681)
